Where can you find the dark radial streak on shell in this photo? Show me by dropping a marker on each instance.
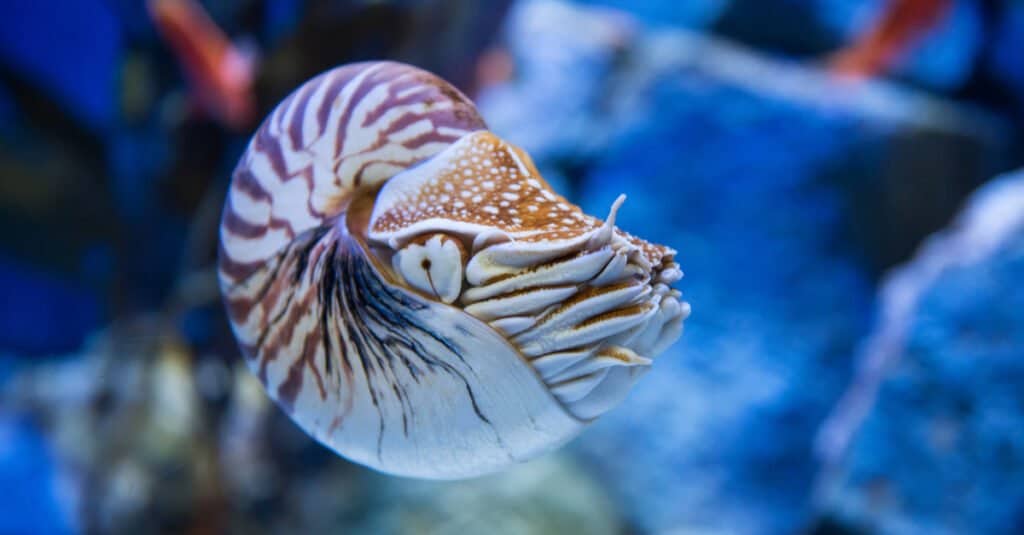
(352, 325)
(396, 386)
(340, 328)
(372, 343)
(384, 299)
(394, 315)
(386, 364)
(395, 335)
(396, 341)
(328, 283)
(302, 255)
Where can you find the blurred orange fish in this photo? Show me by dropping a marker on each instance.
(883, 44)
(220, 75)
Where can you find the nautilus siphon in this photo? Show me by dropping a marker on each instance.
(414, 295)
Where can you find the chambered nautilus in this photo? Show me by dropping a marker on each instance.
(414, 295)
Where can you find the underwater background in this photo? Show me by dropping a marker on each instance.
(838, 177)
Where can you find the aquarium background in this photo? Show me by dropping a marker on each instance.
(837, 176)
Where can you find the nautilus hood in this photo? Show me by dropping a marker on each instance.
(414, 294)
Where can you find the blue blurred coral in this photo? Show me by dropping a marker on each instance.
(931, 435)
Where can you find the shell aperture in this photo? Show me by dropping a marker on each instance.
(413, 293)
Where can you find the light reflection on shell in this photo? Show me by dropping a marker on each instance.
(413, 293)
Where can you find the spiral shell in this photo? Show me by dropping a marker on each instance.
(411, 291)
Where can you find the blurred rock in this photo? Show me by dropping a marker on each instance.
(547, 496)
(139, 440)
(125, 421)
(930, 436)
(786, 193)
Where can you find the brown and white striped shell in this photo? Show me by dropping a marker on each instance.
(414, 295)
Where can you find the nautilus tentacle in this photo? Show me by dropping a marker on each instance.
(413, 293)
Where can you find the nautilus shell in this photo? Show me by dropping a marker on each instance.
(414, 295)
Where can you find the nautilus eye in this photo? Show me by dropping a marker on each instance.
(415, 295)
(432, 265)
